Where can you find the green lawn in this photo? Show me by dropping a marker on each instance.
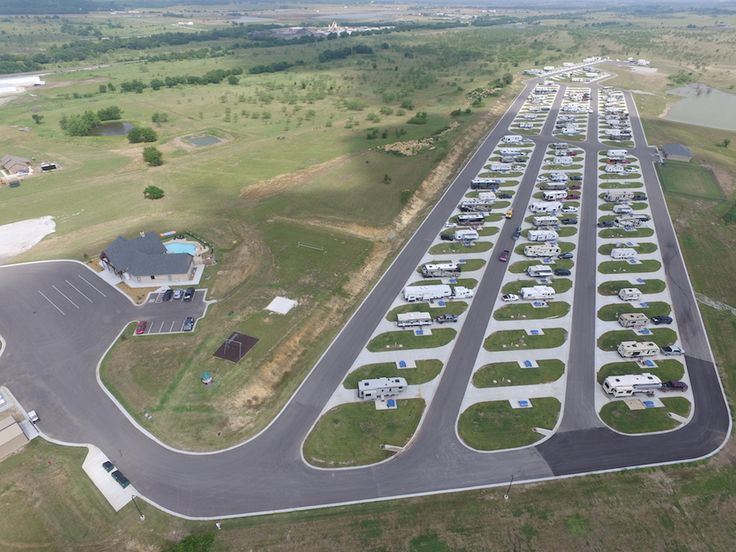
(452, 307)
(641, 248)
(642, 232)
(499, 374)
(525, 311)
(619, 185)
(609, 341)
(486, 231)
(504, 340)
(455, 247)
(405, 339)
(611, 312)
(689, 179)
(612, 287)
(560, 285)
(495, 425)
(425, 370)
(617, 415)
(352, 434)
(667, 369)
(623, 267)
(679, 405)
(636, 206)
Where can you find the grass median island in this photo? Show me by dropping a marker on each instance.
(642, 232)
(495, 425)
(486, 231)
(426, 370)
(689, 179)
(636, 206)
(609, 341)
(642, 248)
(611, 312)
(352, 434)
(456, 247)
(623, 267)
(612, 287)
(666, 370)
(560, 285)
(526, 311)
(619, 185)
(677, 405)
(405, 339)
(451, 307)
(505, 340)
(617, 415)
(499, 374)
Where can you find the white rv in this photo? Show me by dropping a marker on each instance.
(470, 218)
(545, 222)
(487, 197)
(512, 139)
(627, 385)
(614, 169)
(542, 235)
(460, 292)
(617, 154)
(629, 294)
(510, 151)
(379, 388)
(500, 167)
(633, 319)
(622, 209)
(411, 319)
(435, 270)
(554, 195)
(543, 250)
(637, 349)
(545, 207)
(623, 253)
(615, 196)
(537, 292)
(465, 234)
(539, 271)
(427, 293)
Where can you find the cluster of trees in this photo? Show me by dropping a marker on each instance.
(17, 64)
(341, 53)
(200, 53)
(139, 134)
(81, 124)
(215, 76)
(274, 67)
(153, 156)
(419, 118)
(159, 118)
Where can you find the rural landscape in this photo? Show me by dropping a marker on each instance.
(367, 276)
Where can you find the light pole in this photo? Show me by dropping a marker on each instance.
(141, 515)
(508, 489)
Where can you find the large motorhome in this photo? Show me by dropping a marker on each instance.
(470, 218)
(542, 235)
(537, 292)
(545, 222)
(481, 183)
(633, 319)
(545, 207)
(411, 319)
(438, 270)
(465, 235)
(379, 388)
(512, 139)
(542, 250)
(554, 195)
(554, 186)
(615, 196)
(629, 294)
(628, 384)
(637, 349)
(539, 271)
(427, 293)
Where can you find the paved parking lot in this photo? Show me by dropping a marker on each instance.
(169, 316)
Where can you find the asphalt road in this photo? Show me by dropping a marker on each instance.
(50, 361)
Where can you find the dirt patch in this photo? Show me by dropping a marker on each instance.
(138, 295)
(725, 179)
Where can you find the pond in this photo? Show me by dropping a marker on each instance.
(113, 128)
(201, 141)
(704, 106)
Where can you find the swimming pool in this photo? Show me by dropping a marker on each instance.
(181, 247)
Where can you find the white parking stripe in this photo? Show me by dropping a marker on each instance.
(90, 285)
(65, 297)
(79, 291)
(171, 328)
(161, 327)
(52, 303)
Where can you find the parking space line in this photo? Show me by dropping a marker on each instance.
(52, 303)
(161, 327)
(64, 296)
(91, 285)
(171, 328)
(79, 291)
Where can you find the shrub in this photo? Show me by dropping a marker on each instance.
(111, 113)
(153, 156)
(153, 192)
(419, 119)
(79, 125)
(138, 134)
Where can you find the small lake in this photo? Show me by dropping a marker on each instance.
(112, 128)
(201, 141)
(704, 106)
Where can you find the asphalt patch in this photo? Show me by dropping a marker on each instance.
(235, 347)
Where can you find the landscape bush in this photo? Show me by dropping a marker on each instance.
(138, 134)
(153, 192)
(153, 156)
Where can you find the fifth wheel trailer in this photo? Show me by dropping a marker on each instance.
(539, 271)
(438, 270)
(537, 292)
(542, 235)
(545, 207)
(437, 291)
(545, 250)
(411, 319)
(628, 384)
(637, 349)
(623, 253)
(379, 388)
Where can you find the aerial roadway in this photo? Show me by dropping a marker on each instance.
(58, 320)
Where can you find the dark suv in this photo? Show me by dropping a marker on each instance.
(118, 476)
(168, 294)
(442, 318)
(661, 320)
(188, 294)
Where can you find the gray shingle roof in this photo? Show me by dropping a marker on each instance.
(146, 256)
(10, 162)
(676, 149)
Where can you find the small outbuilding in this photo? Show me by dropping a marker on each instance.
(12, 437)
(677, 152)
(12, 164)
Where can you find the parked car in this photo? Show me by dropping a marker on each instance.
(671, 350)
(442, 318)
(674, 385)
(447, 236)
(504, 256)
(576, 177)
(503, 195)
(188, 324)
(509, 213)
(605, 224)
(168, 294)
(108, 466)
(657, 320)
(562, 272)
(509, 298)
(188, 294)
(569, 209)
(140, 328)
(569, 220)
(517, 233)
(567, 255)
(177, 294)
(118, 476)
(541, 179)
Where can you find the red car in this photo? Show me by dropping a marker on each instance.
(141, 327)
(504, 256)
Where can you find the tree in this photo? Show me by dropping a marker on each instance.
(37, 118)
(79, 125)
(153, 192)
(159, 118)
(153, 156)
(232, 79)
(139, 134)
(726, 142)
(111, 113)
(386, 179)
(103, 89)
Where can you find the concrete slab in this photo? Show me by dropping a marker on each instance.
(113, 493)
